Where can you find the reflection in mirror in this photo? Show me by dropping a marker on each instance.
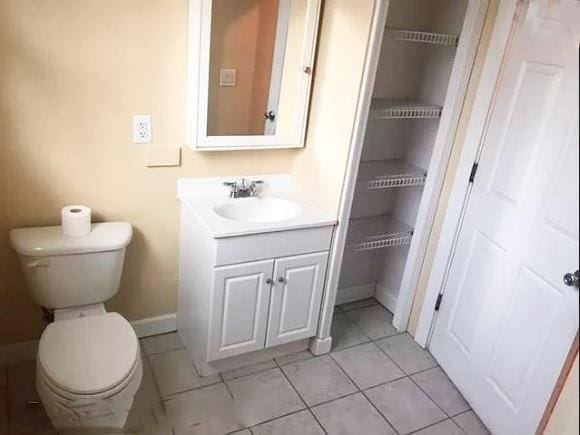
(256, 67)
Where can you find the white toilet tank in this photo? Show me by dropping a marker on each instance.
(64, 272)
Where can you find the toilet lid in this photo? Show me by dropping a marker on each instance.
(89, 355)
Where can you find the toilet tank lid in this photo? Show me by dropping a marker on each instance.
(49, 241)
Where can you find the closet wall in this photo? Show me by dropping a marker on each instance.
(417, 56)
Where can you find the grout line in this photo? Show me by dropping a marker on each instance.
(179, 393)
(292, 385)
(428, 395)
(379, 411)
(247, 374)
(227, 386)
(317, 421)
(364, 395)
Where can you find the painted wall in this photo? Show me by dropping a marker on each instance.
(564, 420)
(74, 72)
(319, 169)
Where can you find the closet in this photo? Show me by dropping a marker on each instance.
(417, 57)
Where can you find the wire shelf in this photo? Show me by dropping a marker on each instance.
(403, 109)
(390, 174)
(423, 37)
(368, 234)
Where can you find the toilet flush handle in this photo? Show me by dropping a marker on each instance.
(41, 262)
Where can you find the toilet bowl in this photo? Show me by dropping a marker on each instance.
(89, 365)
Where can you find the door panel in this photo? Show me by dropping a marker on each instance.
(296, 298)
(239, 316)
(507, 320)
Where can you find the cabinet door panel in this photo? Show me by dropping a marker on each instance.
(296, 298)
(240, 309)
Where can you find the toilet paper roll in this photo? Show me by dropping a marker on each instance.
(76, 220)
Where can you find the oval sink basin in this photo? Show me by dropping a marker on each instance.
(259, 210)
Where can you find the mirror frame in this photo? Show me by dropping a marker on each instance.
(200, 19)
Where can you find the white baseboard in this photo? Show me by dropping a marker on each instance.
(387, 298)
(26, 351)
(155, 325)
(352, 294)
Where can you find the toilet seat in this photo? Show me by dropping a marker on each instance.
(88, 357)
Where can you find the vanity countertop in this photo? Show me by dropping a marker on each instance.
(209, 200)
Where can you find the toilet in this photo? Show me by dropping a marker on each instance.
(88, 364)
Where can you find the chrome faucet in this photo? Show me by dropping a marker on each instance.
(243, 189)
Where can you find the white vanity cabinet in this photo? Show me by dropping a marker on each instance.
(265, 304)
(249, 293)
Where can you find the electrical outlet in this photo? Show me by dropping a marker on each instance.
(142, 130)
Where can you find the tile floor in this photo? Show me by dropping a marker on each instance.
(375, 381)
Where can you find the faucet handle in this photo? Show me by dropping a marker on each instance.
(258, 182)
(230, 183)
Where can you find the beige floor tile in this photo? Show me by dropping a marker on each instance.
(294, 358)
(26, 412)
(248, 370)
(447, 427)
(438, 386)
(345, 333)
(174, 373)
(375, 321)
(301, 423)
(367, 365)
(471, 423)
(263, 396)
(208, 410)
(407, 354)
(405, 406)
(161, 343)
(352, 415)
(319, 380)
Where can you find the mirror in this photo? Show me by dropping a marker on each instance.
(251, 64)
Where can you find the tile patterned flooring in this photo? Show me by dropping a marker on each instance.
(375, 381)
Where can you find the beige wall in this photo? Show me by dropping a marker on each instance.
(564, 420)
(319, 169)
(72, 74)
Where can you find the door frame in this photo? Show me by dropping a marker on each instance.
(475, 18)
(461, 189)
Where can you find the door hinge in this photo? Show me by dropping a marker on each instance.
(473, 172)
(439, 301)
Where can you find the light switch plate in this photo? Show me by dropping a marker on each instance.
(228, 78)
(142, 129)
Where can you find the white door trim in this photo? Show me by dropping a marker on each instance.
(471, 33)
(461, 187)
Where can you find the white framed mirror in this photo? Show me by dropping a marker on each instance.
(250, 73)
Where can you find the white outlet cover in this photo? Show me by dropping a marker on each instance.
(142, 129)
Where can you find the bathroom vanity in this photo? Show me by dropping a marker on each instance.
(252, 271)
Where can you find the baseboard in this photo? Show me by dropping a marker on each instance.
(352, 294)
(26, 351)
(155, 325)
(386, 298)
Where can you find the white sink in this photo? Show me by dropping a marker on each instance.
(259, 210)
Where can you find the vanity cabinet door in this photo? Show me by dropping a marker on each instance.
(239, 315)
(296, 298)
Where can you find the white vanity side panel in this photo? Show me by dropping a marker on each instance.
(273, 245)
(196, 261)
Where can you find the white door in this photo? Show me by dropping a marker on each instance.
(296, 298)
(239, 316)
(508, 321)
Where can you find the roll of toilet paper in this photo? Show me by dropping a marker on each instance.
(76, 220)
